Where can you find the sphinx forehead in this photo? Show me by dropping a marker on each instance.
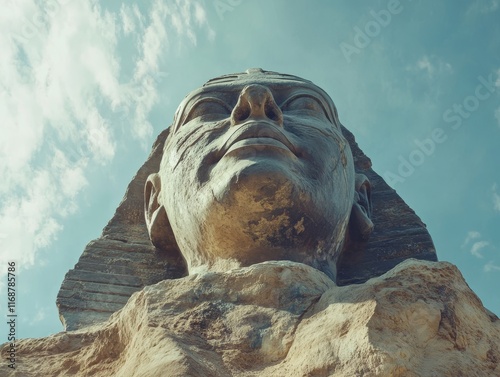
(228, 87)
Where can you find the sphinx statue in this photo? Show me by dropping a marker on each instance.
(256, 240)
(255, 167)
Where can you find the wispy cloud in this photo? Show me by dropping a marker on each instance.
(425, 65)
(49, 106)
(490, 266)
(184, 19)
(484, 6)
(65, 98)
(130, 17)
(477, 246)
(496, 198)
(497, 111)
(472, 235)
(38, 317)
(430, 66)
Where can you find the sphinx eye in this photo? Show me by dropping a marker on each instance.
(304, 103)
(209, 109)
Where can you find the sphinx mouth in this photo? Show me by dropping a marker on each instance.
(259, 135)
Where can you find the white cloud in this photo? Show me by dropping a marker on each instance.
(142, 92)
(39, 316)
(496, 202)
(98, 137)
(425, 65)
(490, 266)
(430, 66)
(477, 246)
(497, 84)
(472, 235)
(56, 76)
(496, 198)
(129, 16)
(483, 7)
(64, 98)
(69, 178)
(33, 319)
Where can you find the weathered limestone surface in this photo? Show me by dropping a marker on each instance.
(239, 191)
(120, 262)
(284, 319)
(123, 260)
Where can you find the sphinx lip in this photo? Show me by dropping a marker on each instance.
(257, 130)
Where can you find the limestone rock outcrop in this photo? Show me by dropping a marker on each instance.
(284, 319)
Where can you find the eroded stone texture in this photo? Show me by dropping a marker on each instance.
(284, 319)
(399, 233)
(123, 260)
(120, 262)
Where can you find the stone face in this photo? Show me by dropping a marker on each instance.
(256, 168)
(123, 260)
(284, 319)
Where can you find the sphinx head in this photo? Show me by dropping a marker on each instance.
(256, 168)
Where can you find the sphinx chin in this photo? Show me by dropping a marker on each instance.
(257, 223)
(265, 184)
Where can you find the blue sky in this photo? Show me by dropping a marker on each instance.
(85, 87)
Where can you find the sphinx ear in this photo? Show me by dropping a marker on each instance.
(360, 224)
(159, 229)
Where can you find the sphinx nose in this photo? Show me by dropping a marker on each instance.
(256, 102)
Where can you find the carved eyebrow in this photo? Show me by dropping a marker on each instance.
(206, 99)
(298, 95)
(331, 113)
